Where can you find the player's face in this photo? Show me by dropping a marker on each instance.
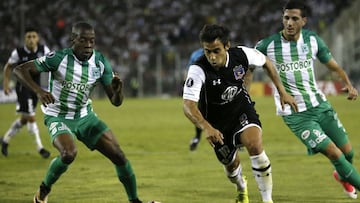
(31, 40)
(83, 44)
(215, 53)
(293, 23)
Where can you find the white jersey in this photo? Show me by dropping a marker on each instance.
(295, 65)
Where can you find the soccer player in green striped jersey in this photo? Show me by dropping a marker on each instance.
(74, 73)
(293, 51)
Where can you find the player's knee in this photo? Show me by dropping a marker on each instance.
(331, 151)
(68, 156)
(119, 157)
(254, 149)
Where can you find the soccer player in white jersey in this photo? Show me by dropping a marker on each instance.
(74, 73)
(26, 99)
(293, 51)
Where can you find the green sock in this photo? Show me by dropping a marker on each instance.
(347, 171)
(349, 156)
(127, 178)
(56, 168)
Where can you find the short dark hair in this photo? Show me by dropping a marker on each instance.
(30, 29)
(211, 32)
(299, 4)
(78, 26)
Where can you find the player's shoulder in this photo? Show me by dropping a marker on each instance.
(99, 55)
(309, 33)
(267, 40)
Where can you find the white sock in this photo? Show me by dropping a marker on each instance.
(262, 172)
(34, 130)
(15, 127)
(236, 177)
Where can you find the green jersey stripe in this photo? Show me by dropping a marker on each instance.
(68, 77)
(84, 79)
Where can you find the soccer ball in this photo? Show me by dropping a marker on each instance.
(154, 202)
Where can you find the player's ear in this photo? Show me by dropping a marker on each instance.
(227, 46)
(304, 19)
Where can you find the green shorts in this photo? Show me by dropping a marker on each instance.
(87, 129)
(317, 127)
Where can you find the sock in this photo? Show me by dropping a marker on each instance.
(346, 171)
(15, 127)
(198, 132)
(236, 178)
(34, 130)
(128, 179)
(262, 172)
(349, 156)
(56, 168)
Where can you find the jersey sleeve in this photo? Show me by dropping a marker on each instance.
(260, 45)
(255, 57)
(108, 73)
(193, 83)
(324, 54)
(49, 62)
(46, 50)
(14, 57)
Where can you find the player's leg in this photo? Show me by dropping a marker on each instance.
(344, 168)
(227, 155)
(109, 147)
(196, 139)
(103, 140)
(334, 129)
(307, 128)
(63, 140)
(251, 138)
(31, 122)
(14, 128)
(22, 108)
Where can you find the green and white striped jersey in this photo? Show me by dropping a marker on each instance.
(294, 61)
(71, 81)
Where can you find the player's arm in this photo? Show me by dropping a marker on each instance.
(114, 91)
(191, 95)
(335, 67)
(6, 77)
(285, 98)
(193, 113)
(248, 78)
(24, 74)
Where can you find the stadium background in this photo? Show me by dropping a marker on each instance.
(149, 42)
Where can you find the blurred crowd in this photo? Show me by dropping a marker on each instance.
(129, 29)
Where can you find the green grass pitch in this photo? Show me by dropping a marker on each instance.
(155, 136)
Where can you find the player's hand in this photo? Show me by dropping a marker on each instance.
(213, 136)
(352, 92)
(116, 83)
(7, 90)
(45, 97)
(288, 99)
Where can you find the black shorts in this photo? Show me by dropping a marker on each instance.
(226, 153)
(26, 100)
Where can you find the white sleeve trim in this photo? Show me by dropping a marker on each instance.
(193, 83)
(255, 57)
(14, 58)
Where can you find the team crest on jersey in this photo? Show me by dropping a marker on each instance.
(96, 72)
(239, 72)
(304, 48)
